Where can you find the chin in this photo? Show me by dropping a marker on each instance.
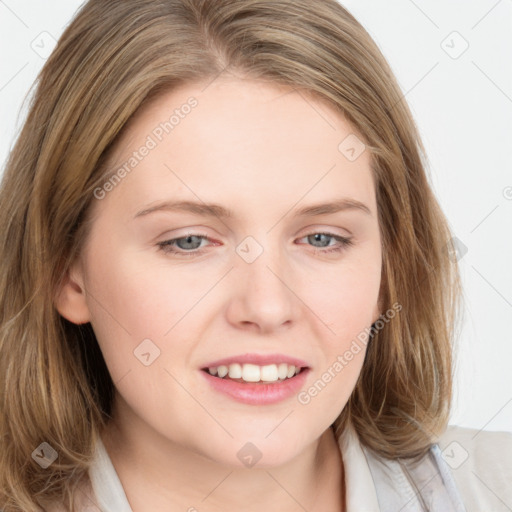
(257, 452)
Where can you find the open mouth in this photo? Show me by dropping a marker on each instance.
(257, 385)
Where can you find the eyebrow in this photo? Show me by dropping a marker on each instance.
(216, 210)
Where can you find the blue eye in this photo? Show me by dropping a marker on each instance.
(344, 242)
(168, 246)
(188, 246)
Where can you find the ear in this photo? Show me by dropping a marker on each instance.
(70, 298)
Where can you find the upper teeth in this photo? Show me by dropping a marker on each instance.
(255, 373)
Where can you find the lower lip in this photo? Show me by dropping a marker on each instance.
(258, 393)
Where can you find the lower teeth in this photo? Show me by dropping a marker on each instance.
(259, 382)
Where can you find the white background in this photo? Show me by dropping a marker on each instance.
(463, 107)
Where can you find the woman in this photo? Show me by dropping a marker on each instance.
(255, 369)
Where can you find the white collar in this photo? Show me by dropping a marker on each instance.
(360, 489)
(109, 494)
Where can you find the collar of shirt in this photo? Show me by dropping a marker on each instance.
(372, 483)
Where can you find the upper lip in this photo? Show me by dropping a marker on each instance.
(258, 359)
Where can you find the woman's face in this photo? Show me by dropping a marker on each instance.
(258, 283)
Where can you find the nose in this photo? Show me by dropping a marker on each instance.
(261, 292)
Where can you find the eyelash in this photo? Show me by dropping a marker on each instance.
(166, 245)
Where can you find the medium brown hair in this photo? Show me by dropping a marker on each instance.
(109, 62)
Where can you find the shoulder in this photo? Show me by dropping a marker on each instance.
(481, 465)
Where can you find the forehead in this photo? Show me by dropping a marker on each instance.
(253, 139)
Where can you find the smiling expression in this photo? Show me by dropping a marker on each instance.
(219, 243)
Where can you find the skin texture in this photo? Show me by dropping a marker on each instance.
(263, 151)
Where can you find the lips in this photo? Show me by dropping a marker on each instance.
(257, 393)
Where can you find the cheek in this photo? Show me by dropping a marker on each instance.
(345, 297)
(144, 305)
(345, 301)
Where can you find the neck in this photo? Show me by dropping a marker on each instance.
(158, 474)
